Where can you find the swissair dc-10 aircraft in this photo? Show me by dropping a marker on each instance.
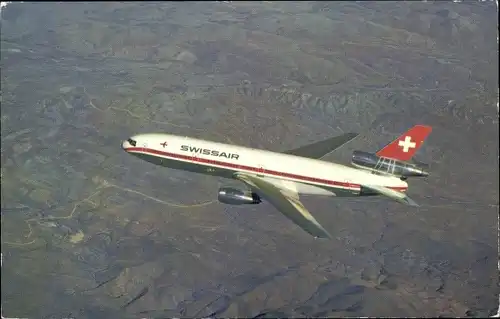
(280, 178)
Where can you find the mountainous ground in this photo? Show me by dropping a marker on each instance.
(91, 232)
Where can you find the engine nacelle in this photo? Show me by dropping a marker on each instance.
(234, 196)
(388, 166)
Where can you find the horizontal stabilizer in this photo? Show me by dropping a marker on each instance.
(319, 149)
(397, 196)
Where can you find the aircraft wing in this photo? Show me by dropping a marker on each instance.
(286, 202)
(392, 194)
(319, 149)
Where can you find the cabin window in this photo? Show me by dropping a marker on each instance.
(132, 142)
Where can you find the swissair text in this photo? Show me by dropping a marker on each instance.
(205, 151)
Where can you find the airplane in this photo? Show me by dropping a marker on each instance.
(280, 177)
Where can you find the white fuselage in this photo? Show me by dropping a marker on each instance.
(297, 174)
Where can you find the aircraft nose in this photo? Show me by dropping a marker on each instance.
(125, 145)
(129, 143)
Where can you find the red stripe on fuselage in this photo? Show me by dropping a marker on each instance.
(238, 167)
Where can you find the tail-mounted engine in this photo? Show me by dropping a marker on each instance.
(388, 166)
(234, 196)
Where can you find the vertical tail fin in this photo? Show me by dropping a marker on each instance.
(404, 147)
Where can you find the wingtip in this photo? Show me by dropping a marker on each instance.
(411, 202)
(324, 235)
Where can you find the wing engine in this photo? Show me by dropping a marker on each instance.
(388, 166)
(234, 196)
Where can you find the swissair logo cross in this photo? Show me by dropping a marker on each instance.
(407, 144)
(164, 144)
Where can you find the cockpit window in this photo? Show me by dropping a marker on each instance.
(132, 142)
